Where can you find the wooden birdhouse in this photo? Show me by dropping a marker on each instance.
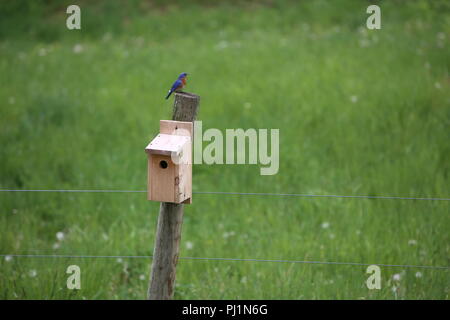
(170, 163)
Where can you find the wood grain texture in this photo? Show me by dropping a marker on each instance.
(161, 182)
(170, 220)
(166, 251)
(176, 127)
(185, 106)
(185, 173)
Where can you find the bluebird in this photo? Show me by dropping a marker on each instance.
(178, 84)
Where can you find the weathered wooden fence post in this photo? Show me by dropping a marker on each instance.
(170, 220)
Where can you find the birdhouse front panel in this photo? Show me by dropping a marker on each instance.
(170, 163)
(161, 178)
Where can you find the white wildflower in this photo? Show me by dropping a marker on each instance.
(33, 273)
(362, 30)
(78, 48)
(412, 242)
(189, 245)
(325, 225)
(396, 277)
(222, 45)
(364, 43)
(354, 99)
(42, 52)
(8, 258)
(418, 274)
(441, 35)
(228, 234)
(60, 236)
(107, 36)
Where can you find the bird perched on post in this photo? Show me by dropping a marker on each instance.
(178, 84)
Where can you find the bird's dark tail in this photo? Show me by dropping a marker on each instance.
(168, 95)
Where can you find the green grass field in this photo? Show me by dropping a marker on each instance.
(360, 112)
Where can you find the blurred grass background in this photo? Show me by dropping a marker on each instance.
(360, 112)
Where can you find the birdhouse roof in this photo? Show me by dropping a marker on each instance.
(167, 144)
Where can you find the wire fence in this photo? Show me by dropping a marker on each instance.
(224, 259)
(239, 194)
(229, 259)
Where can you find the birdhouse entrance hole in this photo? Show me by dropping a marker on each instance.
(163, 164)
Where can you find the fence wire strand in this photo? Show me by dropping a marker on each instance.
(227, 259)
(240, 194)
(223, 259)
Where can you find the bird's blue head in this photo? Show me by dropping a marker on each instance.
(182, 76)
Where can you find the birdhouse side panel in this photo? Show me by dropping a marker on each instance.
(161, 175)
(183, 193)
